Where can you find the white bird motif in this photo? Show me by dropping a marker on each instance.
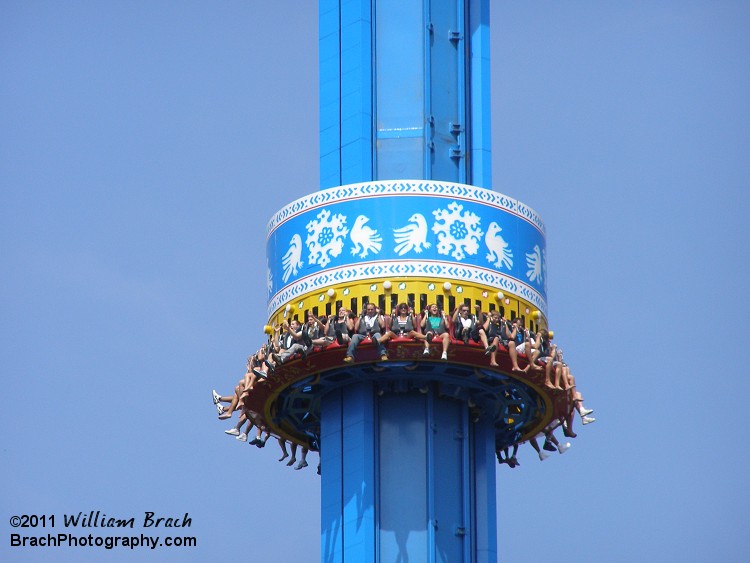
(498, 248)
(535, 262)
(364, 238)
(412, 236)
(269, 278)
(292, 260)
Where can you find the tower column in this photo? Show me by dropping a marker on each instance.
(406, 475)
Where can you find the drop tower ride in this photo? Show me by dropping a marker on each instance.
(406, 213)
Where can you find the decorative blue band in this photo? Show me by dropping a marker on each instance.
(377, 229)
(407, 187)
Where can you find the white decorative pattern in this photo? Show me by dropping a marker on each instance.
(458, 233)
(326, 237)
(411, 237)
(365, 238)
(269, 279)
(499, 253)
(536, 262)
(406, 187)
(292, 260)
(370, 270)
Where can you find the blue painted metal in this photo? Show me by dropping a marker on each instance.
(331, 492)
(463, 223)
(512, 407)
(383, 118)
(329, 54)
(403, 472)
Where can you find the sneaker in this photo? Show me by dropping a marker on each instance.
(383, 357)
(586, 412)
(543, 456)
(426, 352)
(549, 446)
(444, 356)
(348, 359)
(588, 419)
(259, 373)
(490, 349)
(220, 408)
(300, 465)
(254, 442)
(216, 396)
(232, 432)
(562, 448)
(242, 437)
(429, 337)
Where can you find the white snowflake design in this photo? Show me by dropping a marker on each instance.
(456, 231)
(326, 237)
(537, 263)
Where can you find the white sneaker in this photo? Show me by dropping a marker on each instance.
(220, 408)
(588, 419)
(543, 456)
(562, 448)
(242, 437)
(426, 352)
(586, 412)
(232, 432)
(216, 396)
(444, 356)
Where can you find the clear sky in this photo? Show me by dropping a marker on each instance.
(144, 145)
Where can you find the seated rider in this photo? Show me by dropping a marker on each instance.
(402, 324)
(290, 343)
(495, 331)
(342, 326)
(543, 351)
(435, 323)
(369, 323)
(315, 332)
(517, 338)
(463, 324)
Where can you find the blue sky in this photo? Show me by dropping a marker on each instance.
(143, 147)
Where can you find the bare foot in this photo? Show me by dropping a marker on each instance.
(493, 364)
(549, 385)
(282, 458)
(225, 415)
(516, 369)
(291, 461)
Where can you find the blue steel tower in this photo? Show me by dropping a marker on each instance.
(405, 213)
